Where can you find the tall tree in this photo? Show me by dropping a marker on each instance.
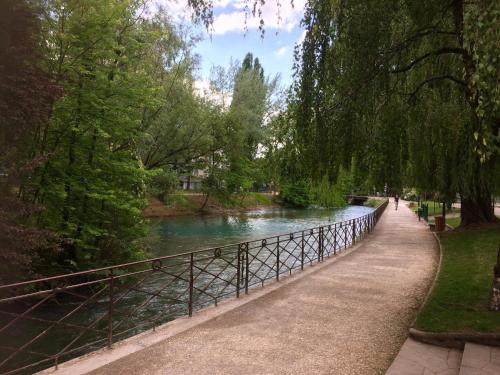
(26, 97)
(403, 88)
(91, 183)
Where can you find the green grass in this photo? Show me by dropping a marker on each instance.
(459, 302)
(453, 221)
(374, 202)
(260, 198)
(436, 208)
(178, 199)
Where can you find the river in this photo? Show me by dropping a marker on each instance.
(181, 234)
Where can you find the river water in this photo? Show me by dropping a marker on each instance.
(181, 234)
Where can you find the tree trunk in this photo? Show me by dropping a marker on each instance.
(477, 210)
(205, 202)
(495, 291)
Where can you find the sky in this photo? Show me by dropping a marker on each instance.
(228, 39)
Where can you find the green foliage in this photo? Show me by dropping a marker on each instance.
(399, 94)
(163, 181)
(296, 194)
(325, 194)
(304, 193)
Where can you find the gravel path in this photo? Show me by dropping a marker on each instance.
(349, 317)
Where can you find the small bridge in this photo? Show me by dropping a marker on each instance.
(357, 200)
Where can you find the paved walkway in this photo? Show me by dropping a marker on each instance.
(350, 316)
(416, 358)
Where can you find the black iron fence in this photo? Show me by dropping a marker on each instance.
(47, 321)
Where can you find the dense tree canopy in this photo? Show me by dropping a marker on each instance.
(400, 90)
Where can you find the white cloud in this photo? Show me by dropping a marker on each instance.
(281, 51)
(302, 37)
(283, 17)
(230, 14)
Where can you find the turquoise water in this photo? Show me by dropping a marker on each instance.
(183, 234)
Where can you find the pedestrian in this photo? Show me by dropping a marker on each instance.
(396, 200)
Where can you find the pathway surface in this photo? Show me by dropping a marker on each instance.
(416, 358)
(351, 316)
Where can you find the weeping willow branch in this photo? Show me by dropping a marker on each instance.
(438, 78)
(442, 51)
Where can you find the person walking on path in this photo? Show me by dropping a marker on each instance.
(396, 201)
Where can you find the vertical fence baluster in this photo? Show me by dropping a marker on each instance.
(353, 231)
(345, 236)
(238, 267)
(322, 242)
(191, 281)
(335, 239)
(247, 272)
(302, 252)
(277, 258)
(111, 308)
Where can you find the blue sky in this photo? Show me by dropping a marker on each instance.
(228, 38)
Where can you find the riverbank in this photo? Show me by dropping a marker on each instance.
(185, 204)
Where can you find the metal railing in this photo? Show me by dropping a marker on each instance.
(47, 321)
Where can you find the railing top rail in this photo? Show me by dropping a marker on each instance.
(166, 257)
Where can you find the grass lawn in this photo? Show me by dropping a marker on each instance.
(374, 202)
(436, 208)
(459, 302)
(453, 221)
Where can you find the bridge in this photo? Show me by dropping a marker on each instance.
(357, 200)
(320, 300)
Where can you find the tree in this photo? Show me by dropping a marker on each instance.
(26, 96)
(92, 182)
(241, 128)
(402, 89)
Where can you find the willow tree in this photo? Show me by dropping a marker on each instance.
(410, 90)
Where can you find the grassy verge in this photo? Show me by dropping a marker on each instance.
(373, 202)
(180, 204)
(436, 208)
(459, 301)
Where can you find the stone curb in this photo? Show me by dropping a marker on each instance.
(455, 339)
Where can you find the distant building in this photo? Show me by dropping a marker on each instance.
(193, 181)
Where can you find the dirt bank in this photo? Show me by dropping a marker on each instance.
(191, 204)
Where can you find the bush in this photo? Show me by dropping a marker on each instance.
(163, 181)
(296, 194)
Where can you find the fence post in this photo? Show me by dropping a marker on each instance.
(302, 252)
(238, 272)
(191, 281)
(246, 269)
(345, 235)
(110, 309)
(322, 245)
(335, 239)
(277, 258)
(353, 231)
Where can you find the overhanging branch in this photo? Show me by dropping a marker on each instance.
(442, 51)
(438, 78)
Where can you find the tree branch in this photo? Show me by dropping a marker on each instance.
(438, 52)
(427, 81)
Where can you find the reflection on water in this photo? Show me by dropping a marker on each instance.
(182, 234)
